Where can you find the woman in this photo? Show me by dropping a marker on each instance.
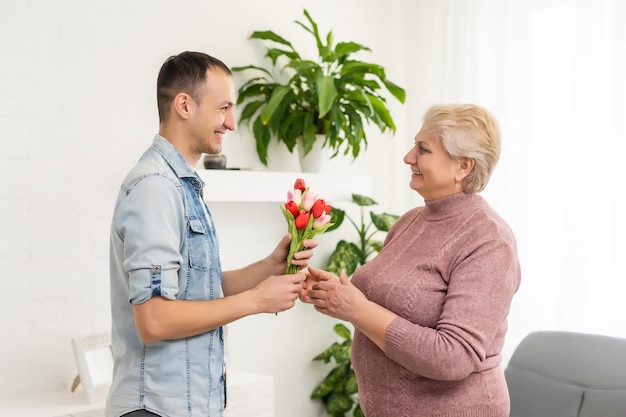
(430, 311)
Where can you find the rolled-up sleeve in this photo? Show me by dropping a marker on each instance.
(150, 221)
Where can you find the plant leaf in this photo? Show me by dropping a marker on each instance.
(250, 109)
(263, 137)
(275, 101)
(337, 216)
(383, 221)
(344, 49)
(377, 245)
(268, 35)
(397, 91)
(362, 200)
(352, 386)
(339, 403)
(275, 53)
(345, 256)
(326, 94)
(342, 331)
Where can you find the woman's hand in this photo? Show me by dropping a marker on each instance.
(311, 280)
(337, 298)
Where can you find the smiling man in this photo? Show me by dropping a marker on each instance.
(169, 295)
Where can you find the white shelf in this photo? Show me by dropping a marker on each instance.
(248, 395)
(271, 187)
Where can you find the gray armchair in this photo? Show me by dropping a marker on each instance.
(564, 374)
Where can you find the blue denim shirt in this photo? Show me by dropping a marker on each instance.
(163, 243)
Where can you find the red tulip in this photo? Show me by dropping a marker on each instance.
(302, 220)
(292, 207)
(299, 185)
(319, 207)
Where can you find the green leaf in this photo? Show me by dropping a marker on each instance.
(342, 331)
(344, 49)
(351, 386)
(346, 256)
(377, 245)
(382, 116)
(357, 411)
(268, 35)
(339, 403)
(332, 380)
(313, 30)
(275, 101)
(251, 67)
(383, 221)
(397, 91)
(322, 390)
(275, 53)
(342, 353)
(250, 109)
(326, 93)
(337, 216)
(263, 138)
(362, 200)
(327, 355)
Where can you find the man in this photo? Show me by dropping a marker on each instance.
(169, 296)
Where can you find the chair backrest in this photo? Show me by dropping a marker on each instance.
(565, 374)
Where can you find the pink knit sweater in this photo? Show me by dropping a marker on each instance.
(449, 270)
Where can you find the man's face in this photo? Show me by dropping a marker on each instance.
(213, 114)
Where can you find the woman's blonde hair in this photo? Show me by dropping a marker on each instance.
(467, 131)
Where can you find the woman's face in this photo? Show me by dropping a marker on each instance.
(433, 172)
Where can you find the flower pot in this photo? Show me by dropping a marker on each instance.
(319, 160)
(315, 160)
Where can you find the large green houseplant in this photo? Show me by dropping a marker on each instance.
(338, 391)
(334, 95)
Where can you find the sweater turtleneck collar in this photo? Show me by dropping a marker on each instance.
(449, 206)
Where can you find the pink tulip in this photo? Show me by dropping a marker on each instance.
(321, 221)
(308, 200)
(295, 196)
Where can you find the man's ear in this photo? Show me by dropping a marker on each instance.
(181, 105)
(466, 166)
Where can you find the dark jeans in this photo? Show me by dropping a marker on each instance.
(139, 413)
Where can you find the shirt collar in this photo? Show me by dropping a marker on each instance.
(173, 157)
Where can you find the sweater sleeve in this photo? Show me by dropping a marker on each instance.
(469, 333)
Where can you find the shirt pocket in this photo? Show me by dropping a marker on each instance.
(198, 243)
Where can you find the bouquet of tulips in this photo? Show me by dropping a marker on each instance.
(307, 215)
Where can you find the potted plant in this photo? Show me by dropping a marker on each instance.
(334, 96)
(338, 391)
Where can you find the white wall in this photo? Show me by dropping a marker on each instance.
(77, 108)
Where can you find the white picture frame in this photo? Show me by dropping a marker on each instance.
(94, 361)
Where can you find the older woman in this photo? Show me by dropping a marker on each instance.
(430, 311)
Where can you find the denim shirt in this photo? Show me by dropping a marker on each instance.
(163, 243)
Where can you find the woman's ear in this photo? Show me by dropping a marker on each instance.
(465, 167)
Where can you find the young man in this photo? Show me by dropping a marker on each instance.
(169, 296)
